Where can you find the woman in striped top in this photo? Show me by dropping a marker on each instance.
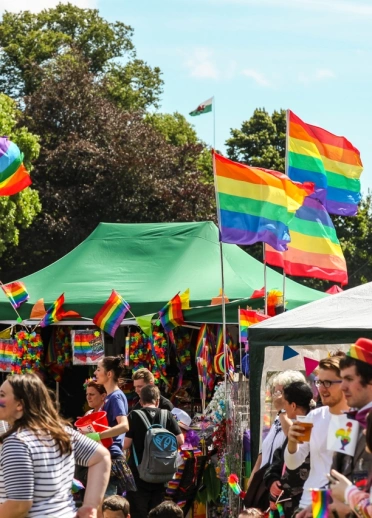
(38, 456)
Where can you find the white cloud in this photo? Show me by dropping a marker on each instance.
(37, 5)
(259, 78)
(333, 6)
(321, 74)
(201, 64)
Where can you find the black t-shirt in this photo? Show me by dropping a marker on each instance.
(164, 404)
(137, 432)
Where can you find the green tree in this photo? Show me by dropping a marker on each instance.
(17, 211)
(261, 143)
(100, 163)
(31, 41)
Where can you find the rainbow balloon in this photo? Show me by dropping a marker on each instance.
(320, 500)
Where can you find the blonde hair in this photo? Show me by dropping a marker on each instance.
(143, 374)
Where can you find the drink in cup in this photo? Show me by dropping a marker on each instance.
(307, 424)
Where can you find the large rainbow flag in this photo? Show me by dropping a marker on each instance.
(331, 162)
(16, 293)
(255, 204)
(110, 316)
(13, 175)
(53, 313)
(248, 317)
(314, 250)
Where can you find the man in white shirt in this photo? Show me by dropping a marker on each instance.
(329, 385)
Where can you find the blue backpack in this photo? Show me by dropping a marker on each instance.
(160, 451)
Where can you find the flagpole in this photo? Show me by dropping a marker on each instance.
(265, 276)
(240, 341)
(214, 124)
(286, 168)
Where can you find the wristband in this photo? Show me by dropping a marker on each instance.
(94, 436)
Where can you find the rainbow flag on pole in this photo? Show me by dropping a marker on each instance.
(13, 175)
(171, 315)
(53, 313)
(16, 293)
(248, 317)
(110, 316)
(314, 250)
(331, 162)
(255, 204)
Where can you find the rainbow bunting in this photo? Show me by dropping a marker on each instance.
(110, 316)
(314, 250)
(331, 162)
(13, 175)
(320, 502)
(171, 315)
(255, 204)
(248, 317)
(53, 313)
(16, 293)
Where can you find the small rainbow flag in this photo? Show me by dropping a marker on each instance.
(16, 293)
(110, 316)
(171, 315)
(255, 205)
(320, 502)
(248, 317)
(53, 313)
(13, 175)
(331, 162)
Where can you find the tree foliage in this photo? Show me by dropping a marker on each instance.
(261, 143)
(18, 211)
(100, 163)
(31, 41)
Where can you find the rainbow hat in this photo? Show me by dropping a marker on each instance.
(361, 350)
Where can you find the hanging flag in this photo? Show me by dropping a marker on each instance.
(255, 204)
(248, 317)
(13, 175)
(289, 353)
(333, 290)
(185, 299)
(145, 323)
(171, 315)
(38, 310)
(110, 316)
(331, 162)
(53, 313)
(16, 293)
(310, 365)
(314, 250)
(258, 294)
(204, 107)
(200, 340)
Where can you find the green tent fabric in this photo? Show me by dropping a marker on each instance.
(148, 264)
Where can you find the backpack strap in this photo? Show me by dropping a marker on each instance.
(144, 418)
(163, 417)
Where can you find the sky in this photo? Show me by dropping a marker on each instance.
(312, 56)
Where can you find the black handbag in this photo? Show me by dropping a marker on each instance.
(258, 495)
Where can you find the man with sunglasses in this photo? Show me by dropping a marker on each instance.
(333, 399)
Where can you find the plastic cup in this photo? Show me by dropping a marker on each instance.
(306, 423)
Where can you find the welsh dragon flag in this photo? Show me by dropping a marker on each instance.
(204, 107)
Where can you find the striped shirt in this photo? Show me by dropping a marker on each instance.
(34, 469)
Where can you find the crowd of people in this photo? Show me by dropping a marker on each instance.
(41, 452)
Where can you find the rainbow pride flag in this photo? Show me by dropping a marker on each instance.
(248, 317)
(53, 313)
(255, 204)
(13, 175)
(314, 250)
(16, 293)
(171, 315)
(320, 501)
(110, 316)
(331, 162)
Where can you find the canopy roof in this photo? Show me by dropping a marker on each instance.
(148, 264)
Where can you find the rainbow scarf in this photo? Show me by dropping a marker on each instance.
(248, 317)
(331, 162)
(255, 205)
(13, 175)
(320, 502)
(171, 315)
(112, 313)
(314, 250)
(16, 293)
(53, 313)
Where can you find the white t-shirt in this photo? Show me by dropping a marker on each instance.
(273, 440)
(320, 457)
(34, 469)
